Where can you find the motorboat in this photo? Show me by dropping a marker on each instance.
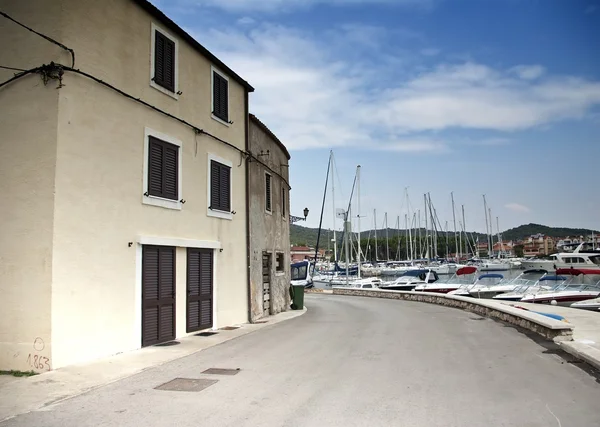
(410, 279)
(485, 280)
(301, 274)
(528, 277)
(365, 283)
(579, 258)
(494, 265)
(582, 285)
(546, 282)
(588, 304)
(464, 275)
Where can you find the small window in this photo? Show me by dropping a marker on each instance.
(220, 107)
(283, 205)
(268, 200)
(164, 61)
(279, 262)
(163, 165)
(368, 286)
(220, 187)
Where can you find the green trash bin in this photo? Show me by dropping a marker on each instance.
(297, 294)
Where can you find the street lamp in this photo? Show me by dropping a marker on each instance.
(294, 219)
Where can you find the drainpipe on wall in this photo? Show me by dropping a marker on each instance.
(248, 250)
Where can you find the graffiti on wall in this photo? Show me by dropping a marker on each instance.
(35, 360)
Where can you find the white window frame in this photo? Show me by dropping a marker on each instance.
(265, 192)
(213, 212)
(158, 87)
(160, 201)
(280, 272)
(214, 70)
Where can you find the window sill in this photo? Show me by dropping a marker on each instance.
(279, 273)
(268, 212)
(223, 122)
(163, 90)
(219, 214)
(160, 202)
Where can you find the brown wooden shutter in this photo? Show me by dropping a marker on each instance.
(163, 169)
(220, 186)
(200, 289)
(268, 192)
(164, 61)
(220, 97)
(158, 294)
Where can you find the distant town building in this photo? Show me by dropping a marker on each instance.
(538, 245)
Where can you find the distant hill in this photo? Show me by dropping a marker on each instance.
(527, 230)
(308, 236)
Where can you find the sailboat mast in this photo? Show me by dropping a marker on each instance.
(375, 221)
(358, 217)
(487, 229)
(387, 239)
(410, 240)
(447, 250)
(419, 233)
(335, 258)
(464, 224)
(491, 234)
(456, 248)
(426, 228)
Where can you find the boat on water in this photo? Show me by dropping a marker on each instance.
(365, 283)
(485, 280)
(463, 276)
(588, 304)
(580, 286)
(546, 282)
(410, 279)
(301, 274)
(526, 278)
(579, 258)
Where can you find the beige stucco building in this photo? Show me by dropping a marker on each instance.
(269, 238)
(120, 226)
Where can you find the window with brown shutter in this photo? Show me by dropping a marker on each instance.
(268, 200)
(163, 169)
(220, 97)
(220, 186)
(164, 61)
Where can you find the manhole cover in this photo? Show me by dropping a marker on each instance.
(205, 334)
(167, 344)
(186, 384)
(219, 371)
(230, 328)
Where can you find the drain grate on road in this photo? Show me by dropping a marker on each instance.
(186, 384)
(219, 371)
(205, 334)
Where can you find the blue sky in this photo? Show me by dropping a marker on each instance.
(495, 97)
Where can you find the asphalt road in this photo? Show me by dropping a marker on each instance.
(354, 362)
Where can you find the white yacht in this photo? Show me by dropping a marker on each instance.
(582, 285)
(485, 280)
(546, 282)
(588, 304)
(465, 275)
(526, 278)
(579, 258)
(411, 279)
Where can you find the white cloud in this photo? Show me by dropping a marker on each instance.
(246, 20)
(288, 5)
(313, 91)
(591, 9)
(528, 72)
(515, 207)
(430, 51)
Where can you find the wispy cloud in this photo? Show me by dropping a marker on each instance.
(246, 20)
(591, 9)
(314, 91)
(516, 207)
(273, 6)
(430, 51)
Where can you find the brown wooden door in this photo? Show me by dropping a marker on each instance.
(199, 289)
(158, 294)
